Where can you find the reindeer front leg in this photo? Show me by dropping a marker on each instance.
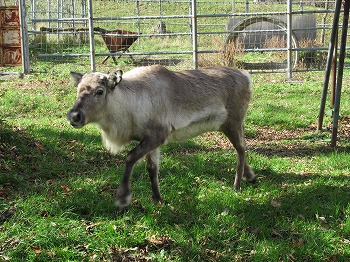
(146, 146)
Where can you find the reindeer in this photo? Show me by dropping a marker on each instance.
(155, 106)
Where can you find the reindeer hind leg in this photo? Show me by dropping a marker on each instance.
(235, 134)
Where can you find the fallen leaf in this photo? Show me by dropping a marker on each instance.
(39, 145)
(82, 248)
(277, 234)
(163, 240)
(345, 241)
(276, 203)
(66, 189)
(90, 228)
(322, 219)
(52, 181)
(45, 213)
(299, 243)
(4, 193)
(36, 249)
(255, 230)
(105, 189)
(51, 254)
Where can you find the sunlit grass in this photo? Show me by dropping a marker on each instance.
(58, 184)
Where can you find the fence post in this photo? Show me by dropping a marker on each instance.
(24, 37)
(289, 39)
(331, 49)
(342, 54)
(194, 34)
(91, 35)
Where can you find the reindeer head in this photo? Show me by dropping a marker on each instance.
(92, 92)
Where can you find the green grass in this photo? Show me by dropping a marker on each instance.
(57, 184)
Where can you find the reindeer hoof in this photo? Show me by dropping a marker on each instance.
(123, 198)
(252, 180)
(158, 202)
(236, 187)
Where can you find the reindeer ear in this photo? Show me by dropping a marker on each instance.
(115, 78)
(119, 74)
(76, 77)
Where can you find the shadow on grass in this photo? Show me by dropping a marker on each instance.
(42, 160)
(210, 220)
(301, 216)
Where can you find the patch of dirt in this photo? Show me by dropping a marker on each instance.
(299, 142)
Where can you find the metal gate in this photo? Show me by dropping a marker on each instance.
(260, 36)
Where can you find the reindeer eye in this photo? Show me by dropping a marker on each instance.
(99, 92)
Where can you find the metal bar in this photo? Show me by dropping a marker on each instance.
(24, 37)
(71, 19)
(73, 12)
(119, 53)
(334, 70)
(194, 34)
(138, 19)
(289, 39)
(340, 73)
(329, 64)
(174, 16)
(91, 36)
(32, 9)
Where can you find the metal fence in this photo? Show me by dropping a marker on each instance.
(257, 35)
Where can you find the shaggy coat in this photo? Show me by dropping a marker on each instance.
(156, 106)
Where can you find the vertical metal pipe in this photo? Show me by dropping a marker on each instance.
(340, 72)
(32, 8)
(24, 37)
(73, 13)
(190, 20)
(289, 39)
(194, 34)
(91, 36)
(334, 70)
(49, 12)
(138, 19)
(83, 8)
(160, 11)
(329, 63)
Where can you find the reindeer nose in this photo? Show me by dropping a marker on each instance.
(76, 118)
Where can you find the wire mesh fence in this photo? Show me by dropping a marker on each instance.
(257, 35)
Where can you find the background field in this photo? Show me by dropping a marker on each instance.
(57, 184)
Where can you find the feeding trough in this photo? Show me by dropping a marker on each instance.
(117, 41)
(255, 32)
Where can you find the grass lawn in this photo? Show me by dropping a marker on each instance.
(57, 184)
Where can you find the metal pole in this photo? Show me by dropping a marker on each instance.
(194, 34)
(32, 8)
(329, 63)
(334, 70)
(73, 13)
(24, 37)
(91, 36)
(49, 12)
(138, 19)
(289, 39)
(340, 72)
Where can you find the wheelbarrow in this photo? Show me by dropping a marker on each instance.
(117, 41)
